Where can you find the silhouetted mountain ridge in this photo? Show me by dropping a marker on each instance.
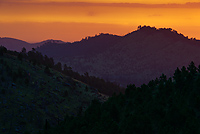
(17, 44)
(137, 57)
(86, 47)
(14, 44)
(167, 32)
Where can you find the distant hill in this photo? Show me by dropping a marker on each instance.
(48, 41)
(17, 45)
(137, 57)
(29, 96)
(85, 48)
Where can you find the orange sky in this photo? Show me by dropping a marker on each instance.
(37, 20)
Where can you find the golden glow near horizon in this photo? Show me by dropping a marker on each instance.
(106, 1)
(71, 18)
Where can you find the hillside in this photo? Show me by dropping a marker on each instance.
(31, 94)
(163, 106)
(135, 58)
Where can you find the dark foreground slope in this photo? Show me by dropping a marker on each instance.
(164, 106)
(32, 94)
(134, 58)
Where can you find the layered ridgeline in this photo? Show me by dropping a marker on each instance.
(134, 58)
(32, 94)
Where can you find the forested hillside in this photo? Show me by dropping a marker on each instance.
(33, 92)
(163, 106)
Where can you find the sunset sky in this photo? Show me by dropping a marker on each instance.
(72, 20)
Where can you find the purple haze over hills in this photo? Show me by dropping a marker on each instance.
(135, 58)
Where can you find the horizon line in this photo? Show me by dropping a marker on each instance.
(101, 33)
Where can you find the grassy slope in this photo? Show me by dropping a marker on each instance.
(26, 101)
